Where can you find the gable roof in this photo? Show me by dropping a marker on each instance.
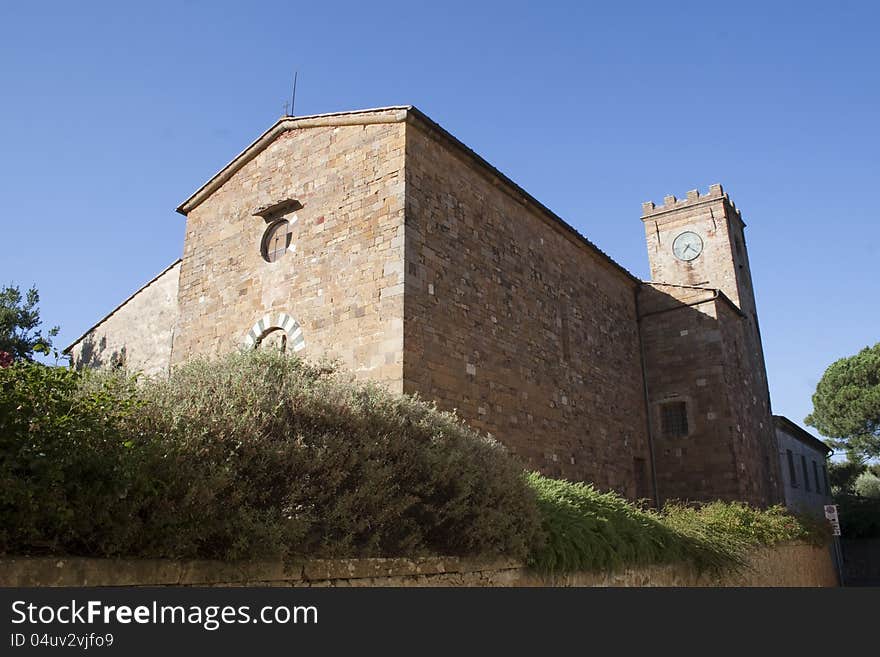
(391, 114)
(800, 434)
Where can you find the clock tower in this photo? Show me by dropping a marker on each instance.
(705, 374)
(700, 241)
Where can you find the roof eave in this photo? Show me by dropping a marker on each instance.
(801, 434)
(522, 194)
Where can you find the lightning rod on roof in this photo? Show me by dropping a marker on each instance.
(289, 106)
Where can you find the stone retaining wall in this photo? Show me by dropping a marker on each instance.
(784, 565)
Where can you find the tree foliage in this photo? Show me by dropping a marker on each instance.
(20, 334)
(842, 476)
(868, 485)
(846, 404)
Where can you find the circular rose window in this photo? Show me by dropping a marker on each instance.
(277, 240)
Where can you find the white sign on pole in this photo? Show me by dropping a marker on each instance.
(832, 517)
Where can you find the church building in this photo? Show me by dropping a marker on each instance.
(377, 238)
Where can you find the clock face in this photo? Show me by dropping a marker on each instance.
(687, 246)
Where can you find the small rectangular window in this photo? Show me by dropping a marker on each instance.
(816, 477)
(806, 476)
(792, 475)
(673, 420)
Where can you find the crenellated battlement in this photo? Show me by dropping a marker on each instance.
(693, 197)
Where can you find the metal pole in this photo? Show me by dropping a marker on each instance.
(838, 553)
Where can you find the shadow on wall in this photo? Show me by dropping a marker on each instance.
(95, 354)
(713, 434)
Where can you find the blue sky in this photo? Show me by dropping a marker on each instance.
(112, 113)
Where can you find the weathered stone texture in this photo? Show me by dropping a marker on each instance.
(685, 364)
(343, 280)
(751, 428)
(793, 564)
(695, 351)
(527, 331)
(138, 334)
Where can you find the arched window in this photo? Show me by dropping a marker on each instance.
(280, 332)
(275, 339)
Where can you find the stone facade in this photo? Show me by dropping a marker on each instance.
(695, 355)
(138, 334)
(514, 321)
(417, 264)
(342, 277)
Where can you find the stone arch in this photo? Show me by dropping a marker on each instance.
(268, 324)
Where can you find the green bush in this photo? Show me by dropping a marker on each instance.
(868, 485)
(590, 530)
(859, 516)
(249, 456)
(67, 477)
(261, 456)
(747, 525)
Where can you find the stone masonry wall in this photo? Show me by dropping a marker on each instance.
(751, 429)
(342, 279)
(791, 564)
(696, 352)
(523, 328)
(138, 334)
(685, 363)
